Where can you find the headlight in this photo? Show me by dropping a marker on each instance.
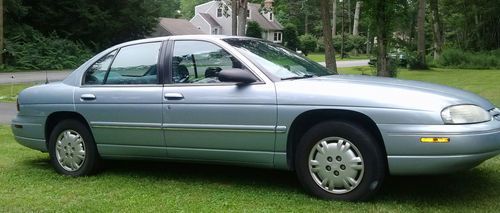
(465, 114)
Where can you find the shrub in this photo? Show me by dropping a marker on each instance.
(351, 43)
(31, 50)
(455, 58)
(308, 43)
(290, 38)
(254, 30)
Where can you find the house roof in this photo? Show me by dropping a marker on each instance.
(209, 19)
(261, 20)
(179, 26)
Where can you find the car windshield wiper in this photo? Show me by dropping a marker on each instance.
(298, 77)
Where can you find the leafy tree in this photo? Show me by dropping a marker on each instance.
(254, 30)
(169, 8)
(421, 35)
(327, 36)
(187, 7)
(308, 43)
(98, 23)
(290, 38)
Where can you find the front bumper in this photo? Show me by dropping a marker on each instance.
(469, 146)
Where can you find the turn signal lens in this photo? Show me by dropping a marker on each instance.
(434, 140)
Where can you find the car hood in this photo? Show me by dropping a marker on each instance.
(368, 91)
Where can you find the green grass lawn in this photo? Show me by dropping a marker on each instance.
(28, 183)
(486, 83)
(8, 92)
(320, 57)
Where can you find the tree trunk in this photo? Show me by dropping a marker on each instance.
(382, 41)
(234, 17)
(1, 32)
(242, 17)
(327, 36)
(356, 18)
(421, 33)
(436, 29)
(334, 18)
(349, 15)
(306, 20)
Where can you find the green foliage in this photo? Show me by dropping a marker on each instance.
(187, 7)
(97, 23)
(471, 25)
(308, 43)
(351, 43)
(169, 8)
(254, 30)
(290, 38)
(31, 50)
(455, 58)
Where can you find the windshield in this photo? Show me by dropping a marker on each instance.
(277, 60)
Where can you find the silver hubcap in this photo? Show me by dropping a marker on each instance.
(336, 165)
(70, 150)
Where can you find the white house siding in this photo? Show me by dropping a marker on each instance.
(224, 22)
(201, 24)
(202, 8)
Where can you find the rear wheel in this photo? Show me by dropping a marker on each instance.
(72, 149)
(341, 161)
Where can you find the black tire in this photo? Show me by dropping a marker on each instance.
(373, 161)
(90, 160)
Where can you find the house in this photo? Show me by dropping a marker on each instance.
(214, 18)
(170, 26)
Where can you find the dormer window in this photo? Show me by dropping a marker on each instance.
(219, 12)
(270, 16)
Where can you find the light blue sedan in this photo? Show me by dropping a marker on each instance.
(249, 102)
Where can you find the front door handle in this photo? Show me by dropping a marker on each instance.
(173, 96)
(87, 97)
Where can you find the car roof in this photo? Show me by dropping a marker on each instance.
(203, 37)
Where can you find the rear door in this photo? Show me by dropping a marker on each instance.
(121, 97)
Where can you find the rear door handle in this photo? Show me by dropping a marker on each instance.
(87, 97)
(174, 96)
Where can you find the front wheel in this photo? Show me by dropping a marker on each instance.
(72, 149)
(340, 161)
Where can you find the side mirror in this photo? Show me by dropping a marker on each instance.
(236, 75)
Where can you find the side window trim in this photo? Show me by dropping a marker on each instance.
(82, 83)
(158, 63)
(109, 66)
(170, 66)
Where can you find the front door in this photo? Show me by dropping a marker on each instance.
(205, 119)
(121, 98)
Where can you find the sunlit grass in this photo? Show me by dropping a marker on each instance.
(28, 183)
(9, 92)
(485, 83)
(320, 57)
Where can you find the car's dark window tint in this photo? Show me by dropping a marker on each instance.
(200, 62)
(136, 64)
(96, 73)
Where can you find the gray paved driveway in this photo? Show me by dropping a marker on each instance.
(34, 76)
(353, 63)
(7, 112)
